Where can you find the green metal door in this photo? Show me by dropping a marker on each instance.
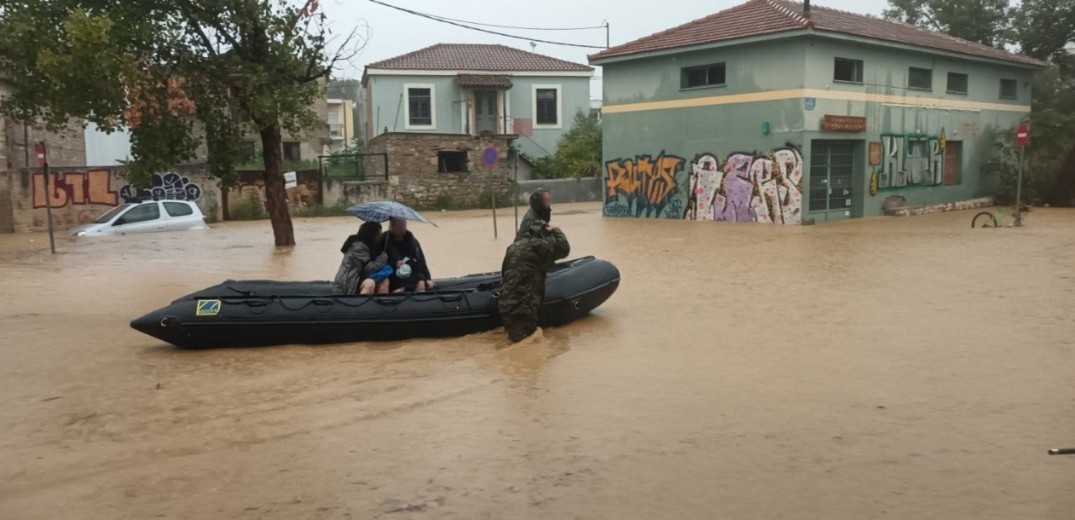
(831, 170)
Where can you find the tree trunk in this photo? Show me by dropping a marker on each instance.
(1065, 192)
(275, 194)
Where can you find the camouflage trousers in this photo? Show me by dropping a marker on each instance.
(519, 326)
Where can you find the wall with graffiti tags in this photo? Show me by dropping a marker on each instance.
(735, 187)
(77, 196)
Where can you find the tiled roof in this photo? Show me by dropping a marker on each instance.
(761, 17)
(483, 80)
(477, 57)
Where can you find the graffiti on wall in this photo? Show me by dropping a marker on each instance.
(642, 186)
(748, 188)
(74, 189)
(744, 187)
(911, 160)
(164, 186)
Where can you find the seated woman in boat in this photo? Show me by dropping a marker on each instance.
(364, 267)
(406, 257)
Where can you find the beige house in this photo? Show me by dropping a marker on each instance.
(339, 115)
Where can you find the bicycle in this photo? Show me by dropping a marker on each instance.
(994, 219)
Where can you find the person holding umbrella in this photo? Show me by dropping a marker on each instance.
(403, 252)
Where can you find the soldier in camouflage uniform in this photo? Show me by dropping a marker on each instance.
(523, 286)
(540, 209)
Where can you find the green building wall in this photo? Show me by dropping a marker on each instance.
(661, 141)
(387, 110)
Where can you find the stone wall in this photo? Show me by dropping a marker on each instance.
(413, 175)
(78, 195)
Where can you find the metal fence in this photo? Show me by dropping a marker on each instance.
(354, 166)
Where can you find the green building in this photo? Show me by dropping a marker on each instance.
(776, 112)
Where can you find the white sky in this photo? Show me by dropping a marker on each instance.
(392, 32)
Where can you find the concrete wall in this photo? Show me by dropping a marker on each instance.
(582, 189)
(78, 195)
(412, 168)
(742, 151)
(454, 107)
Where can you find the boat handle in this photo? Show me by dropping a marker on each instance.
(389, 301)
(319, 301)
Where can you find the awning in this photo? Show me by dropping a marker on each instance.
(483, 80)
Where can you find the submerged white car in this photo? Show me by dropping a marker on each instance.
(149, 216)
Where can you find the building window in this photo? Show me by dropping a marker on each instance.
(957, 83)
(292, 151)
(703, 76)
(849, 71)
(547, 106)
(451, 161)
(421, 103)
(920, 79)
(1009, 89)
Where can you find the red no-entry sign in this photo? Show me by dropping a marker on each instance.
(1022, 135)
(40, 150)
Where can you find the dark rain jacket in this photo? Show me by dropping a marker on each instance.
(358, 263)
(536, 212)
(523, 277)
(407, 247)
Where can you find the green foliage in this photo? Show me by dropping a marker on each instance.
(1040, 29)
(578, 154)
(982, 21)
(170, 70)
(346, 162)
(318, 210)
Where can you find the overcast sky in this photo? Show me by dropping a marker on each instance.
(392, 32)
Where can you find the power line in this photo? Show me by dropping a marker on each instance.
(590, 28)
(458, 24)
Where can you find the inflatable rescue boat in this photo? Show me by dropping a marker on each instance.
(259, 313)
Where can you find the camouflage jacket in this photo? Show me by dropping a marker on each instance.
(525, 262)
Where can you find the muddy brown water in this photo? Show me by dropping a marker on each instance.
(885, 368)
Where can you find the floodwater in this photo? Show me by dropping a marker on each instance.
(884, 368)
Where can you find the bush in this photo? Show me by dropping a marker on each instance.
(578, 154)
(318, 210)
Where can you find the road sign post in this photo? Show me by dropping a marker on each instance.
(490, 157)
(43, 163)
(1022, 139)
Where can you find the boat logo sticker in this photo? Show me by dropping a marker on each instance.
(208, 308)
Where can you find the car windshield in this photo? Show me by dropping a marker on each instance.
(111, 214)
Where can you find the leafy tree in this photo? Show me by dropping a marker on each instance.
(578, 154)
(1042, 29)
(982, 21)
(178, 73)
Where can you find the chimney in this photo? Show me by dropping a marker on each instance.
(806, 8)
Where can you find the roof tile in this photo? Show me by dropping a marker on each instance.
(761, 17)
(477, 57)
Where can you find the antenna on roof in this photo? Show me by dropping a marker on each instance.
(533, 46)
(806, 8)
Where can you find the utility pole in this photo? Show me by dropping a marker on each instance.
(43, 162)
(608, 38)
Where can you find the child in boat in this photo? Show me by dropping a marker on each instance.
(360, 270)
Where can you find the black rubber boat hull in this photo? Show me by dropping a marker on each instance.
(261, 313)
